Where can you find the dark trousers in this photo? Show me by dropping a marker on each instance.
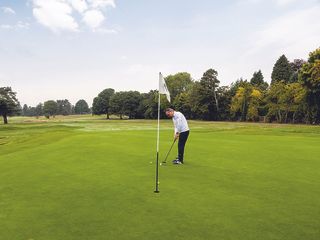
(183, 137)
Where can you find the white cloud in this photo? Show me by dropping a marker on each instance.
(293, 32)
(6, 26)
(58, 15)
(93, 18)
(102, 3)
(79, 5)
(284, 2)
(23, 25)
(105, 31)
(18, 25)
(8, 10)
(54, 14)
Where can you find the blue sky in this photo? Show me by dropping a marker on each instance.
(57, 49)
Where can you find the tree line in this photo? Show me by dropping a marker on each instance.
(59, 107)
(293, 96)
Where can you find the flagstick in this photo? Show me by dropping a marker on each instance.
(158, 136)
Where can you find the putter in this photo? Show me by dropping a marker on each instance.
(165, 160)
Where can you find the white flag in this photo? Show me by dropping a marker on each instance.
(163, 89)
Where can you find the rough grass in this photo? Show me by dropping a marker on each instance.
(85, 177)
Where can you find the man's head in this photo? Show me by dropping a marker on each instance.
(169, 112)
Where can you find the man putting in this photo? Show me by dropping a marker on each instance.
(181, 132)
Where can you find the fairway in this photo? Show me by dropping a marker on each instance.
(90, 178)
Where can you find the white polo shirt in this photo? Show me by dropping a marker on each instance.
(180, 122)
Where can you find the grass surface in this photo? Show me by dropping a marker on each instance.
(88, 178)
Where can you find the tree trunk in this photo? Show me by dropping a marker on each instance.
(243, 110)
(108, 117)
(5, 119)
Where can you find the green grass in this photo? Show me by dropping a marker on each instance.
(88, 178)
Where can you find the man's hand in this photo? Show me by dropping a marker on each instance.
(176, 136)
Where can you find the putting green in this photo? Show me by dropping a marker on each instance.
(88, 178)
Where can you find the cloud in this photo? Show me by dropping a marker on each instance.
(55, 15)
(93, 18)
(102, 3)
(293, 32)
(105, 31)
(58, 15)
(6, 26)
(18, 25)
(79, 5)
(279, 3)
(8, 10)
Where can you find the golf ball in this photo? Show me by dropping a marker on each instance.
(160, 164)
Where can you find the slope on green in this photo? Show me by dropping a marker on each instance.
(88, 178)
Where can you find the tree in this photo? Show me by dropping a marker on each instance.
(309, 76)
(126, 103)
(296, 65)
(131, 104)
(25, 110)
(182, 103)
(64, 107)
(258, 82)
(240, 102)
(50, 108)
(281, 71)
(81, 107)
(39, 110)
(224, 98)
(203, 98)
(9, 103)
(102, 101)
(116, 105)
(254, 104)
(178, 83)
(285, 101)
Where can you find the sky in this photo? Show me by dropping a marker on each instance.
(73, 49)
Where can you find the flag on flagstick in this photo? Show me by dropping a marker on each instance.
(163, 87)
(162, 90)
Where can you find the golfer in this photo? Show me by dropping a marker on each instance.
(181, 132)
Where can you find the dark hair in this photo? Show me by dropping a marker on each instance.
(169, 110)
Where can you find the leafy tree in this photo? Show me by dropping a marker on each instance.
(81, 107)
(254, 104)
(285, 101)
(224, 97)
(39, 110)
(296, 65)
(309, 76)
(101, 103)
(150, 104)
(203, 98)
(50, 108)
(182, 103)
(64, 107)
(126, 103)
(25, 109)
(178, 83)
(240, 102)
(281, 71)
(257, 81)
(9, 104)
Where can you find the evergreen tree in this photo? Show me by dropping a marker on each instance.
(281, 71)
(257, 81)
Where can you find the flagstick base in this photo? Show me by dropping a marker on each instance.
(156, 191)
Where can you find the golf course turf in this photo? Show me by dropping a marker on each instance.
(90, 178)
